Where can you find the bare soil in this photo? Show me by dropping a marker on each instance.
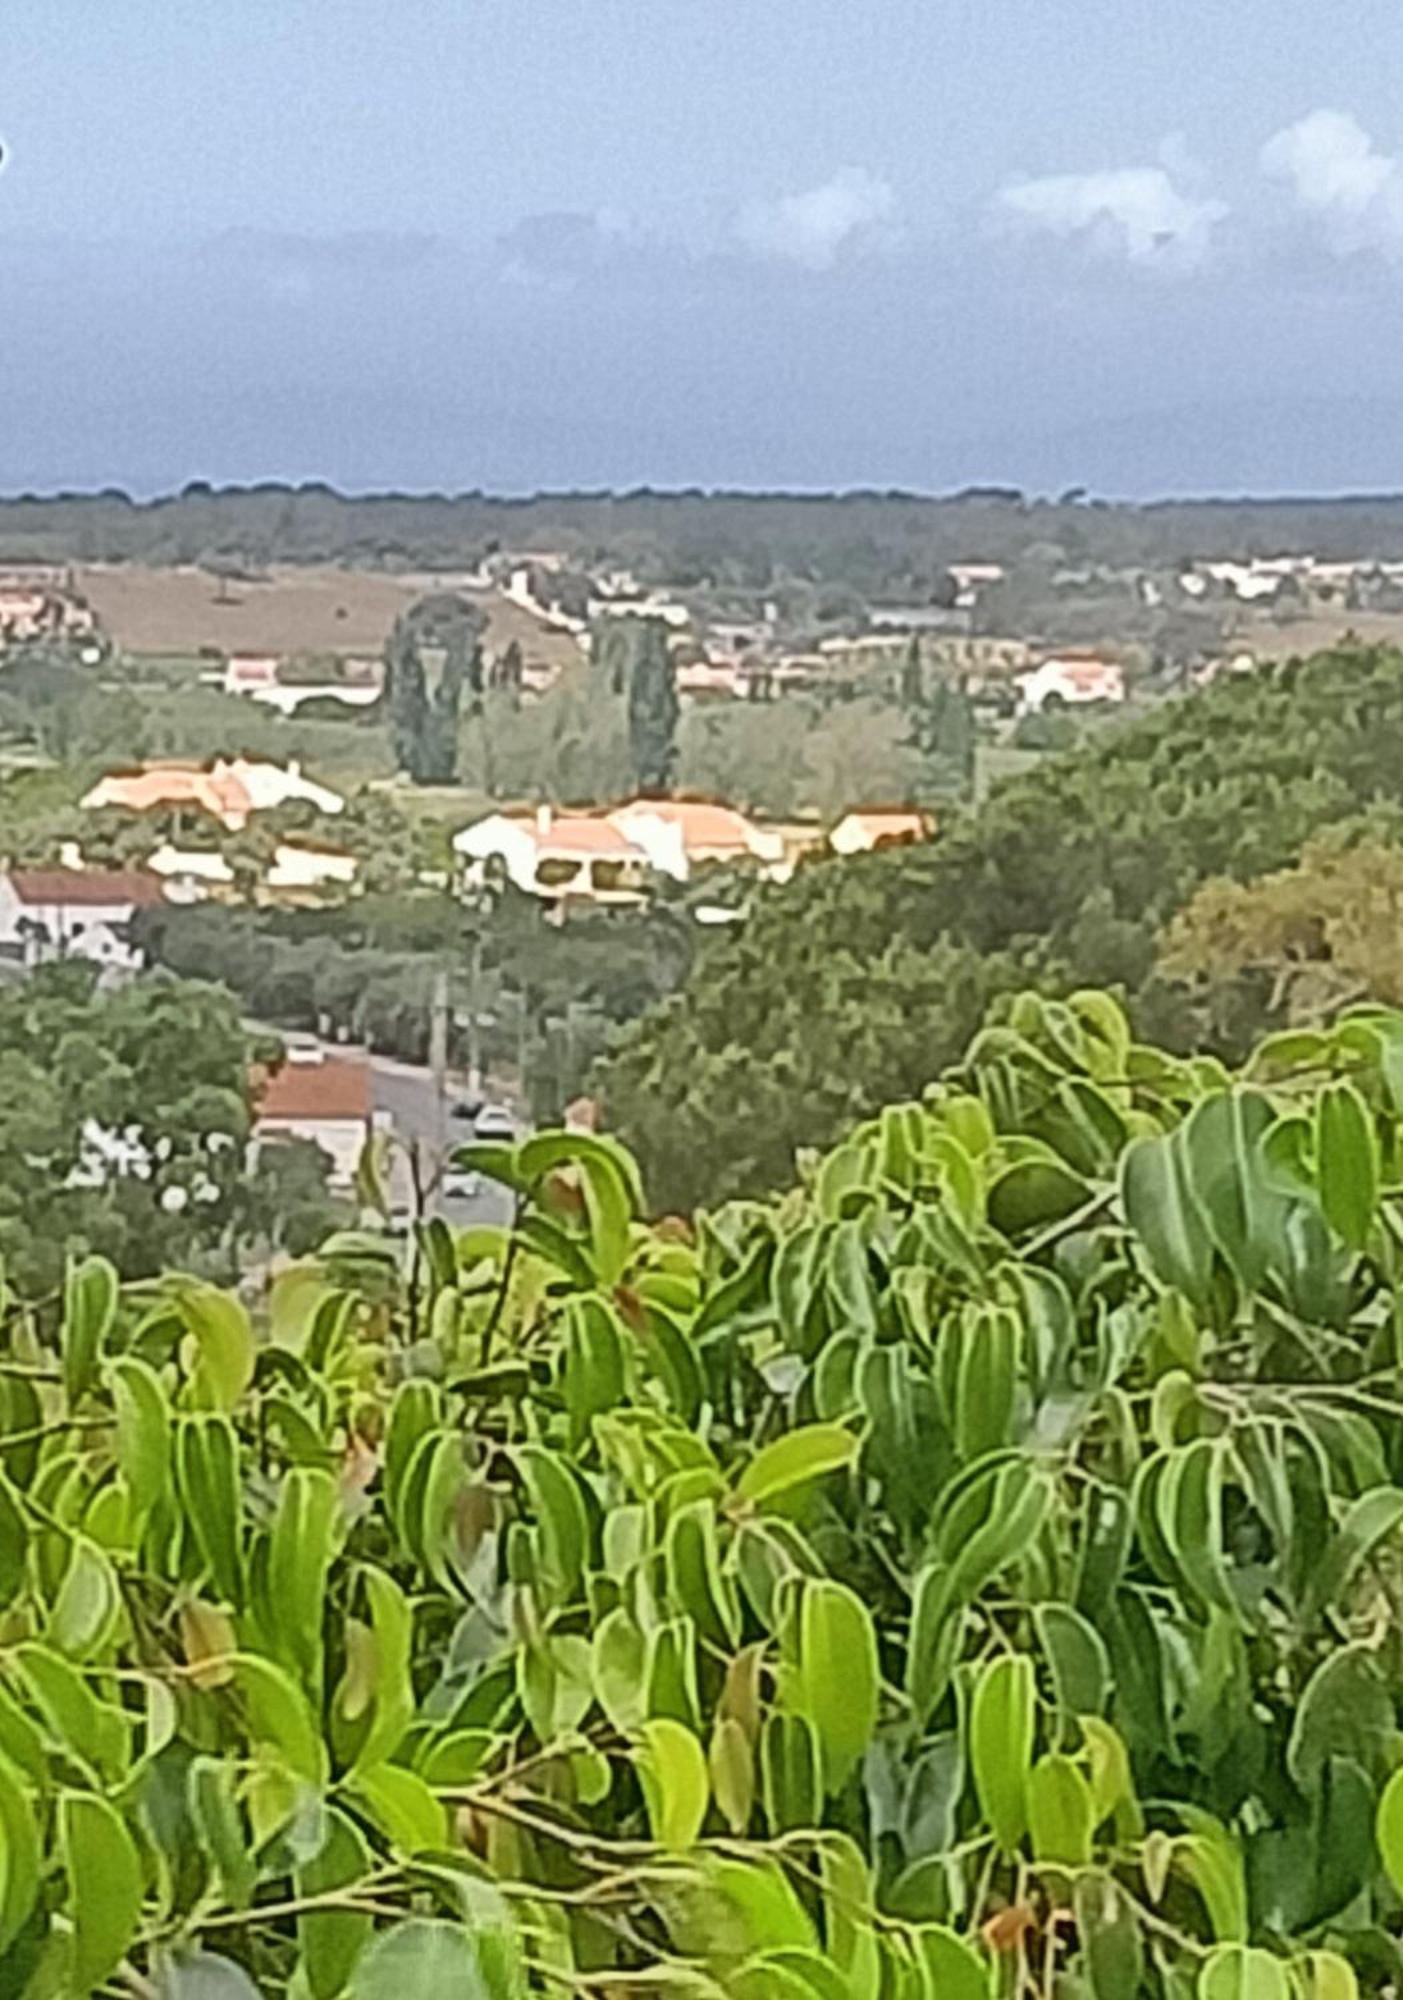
(186, 610)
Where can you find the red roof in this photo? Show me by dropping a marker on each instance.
(337, 1087)
(703, 825)
(584, 836)
(93, 888)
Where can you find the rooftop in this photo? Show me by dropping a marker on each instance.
(337, 1087)
(92, 888)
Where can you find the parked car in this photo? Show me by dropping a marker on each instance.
(461, 1184)
(494, 1121)
(466, 1108)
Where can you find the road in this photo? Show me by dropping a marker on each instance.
(408, 1098)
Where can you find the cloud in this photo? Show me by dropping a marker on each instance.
(1339, 176)
(1136, 212)
(851, 211)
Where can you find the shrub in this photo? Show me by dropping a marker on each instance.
(975, 1573)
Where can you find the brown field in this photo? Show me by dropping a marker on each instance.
(182, 611)
(1312, 634)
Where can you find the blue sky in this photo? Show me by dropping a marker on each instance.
(511, 243)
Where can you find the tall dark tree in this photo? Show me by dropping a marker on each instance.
(433, 654)
(653, 707)
(940, 724)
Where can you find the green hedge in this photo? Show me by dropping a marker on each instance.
(975, 1574)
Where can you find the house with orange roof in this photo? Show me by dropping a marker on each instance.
(681, 835)
(327, 1099)
(1069, 679)
(558, 856)
(862, 832)
(231, 790)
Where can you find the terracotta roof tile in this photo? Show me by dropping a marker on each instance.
(336, 1087)
(91, 887)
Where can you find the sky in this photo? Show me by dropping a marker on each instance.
(511, 244)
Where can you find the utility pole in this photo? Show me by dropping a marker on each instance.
(438, 1061)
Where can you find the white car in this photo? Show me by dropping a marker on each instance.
(494, 1121)
(461, 1184)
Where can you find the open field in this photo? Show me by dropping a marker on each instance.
(1315, 633)
(184, 610)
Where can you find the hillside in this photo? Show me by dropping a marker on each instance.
(859, 981)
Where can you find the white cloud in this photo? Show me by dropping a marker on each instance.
(1137, 212)
(851, 211)
(1338, 175)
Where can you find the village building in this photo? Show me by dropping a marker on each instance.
(53, 913)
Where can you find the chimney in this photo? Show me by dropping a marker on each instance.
(545, 819)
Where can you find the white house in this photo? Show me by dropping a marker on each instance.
(258, 677)
(556, 856)
(48, 913)
(231, 789)
(327, 1099)
(861, 832)
(680, 835)
(1068, 680)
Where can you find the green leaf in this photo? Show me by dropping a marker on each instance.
(332, 1940)
(954, 1969)
(731, 1763)
(1388, 1830)
(676, 1788)
(88, 1605)
(1236, 1972)
(1346, 1162)
(20, 1857)
(202, 1975)
(90, 1293)
(1076, 1653)
(424, 1958)
(1154, 1191)
(1060, 1812)
(1369, 1520)
(92, 1731)
(561, 1519)
(694, 1578)
(837, 1684)
(105, 1884)
(1324, 1975)
(1345, 1711)
(207, 1469)
(412, 1819)
(1112, 1948)
(224, 1339)
(1001, 1745)
(143, 1429)
(212, 1793)
(392, 1633)
(799, 1457)
(278, 1715)
(301, 1544)
(618, 1670)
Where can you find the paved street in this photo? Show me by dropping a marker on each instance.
(408, 1096)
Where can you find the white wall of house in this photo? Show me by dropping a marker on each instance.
(341, 1139)
(36, 932)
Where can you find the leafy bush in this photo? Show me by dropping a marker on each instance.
(975, 1574)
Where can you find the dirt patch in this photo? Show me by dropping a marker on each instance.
(182, 611)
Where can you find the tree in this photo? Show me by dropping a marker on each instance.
(124, 1115)
(1230, 780)
(433, 654)
(1297, 945)
(940, 726)
(974, 1572)
(653, 707)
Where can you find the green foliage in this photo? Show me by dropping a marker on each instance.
(431, 656)
(905, 1587)
(124, 1117)
(860, 980)
(653, 707)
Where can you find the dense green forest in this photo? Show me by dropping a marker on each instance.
(972, 1575)
(860, 981)
(880, 542)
